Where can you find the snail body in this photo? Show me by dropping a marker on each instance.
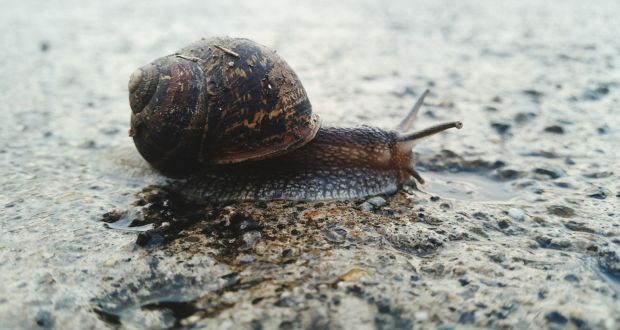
(231, 119)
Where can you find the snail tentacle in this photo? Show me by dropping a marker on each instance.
(415, 174)
(409, 119)
(410, 139)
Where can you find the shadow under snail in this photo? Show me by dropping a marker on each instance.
(231, 120)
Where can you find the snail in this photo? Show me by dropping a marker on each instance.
(229, 120)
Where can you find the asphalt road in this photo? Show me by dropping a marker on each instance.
(517, 226)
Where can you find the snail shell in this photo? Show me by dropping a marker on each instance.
(218, 101)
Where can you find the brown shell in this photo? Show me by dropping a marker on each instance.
(218, 101)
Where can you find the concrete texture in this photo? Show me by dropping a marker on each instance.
(517, 226)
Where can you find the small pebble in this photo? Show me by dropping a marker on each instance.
(581, 324)
(498, 258)
(517, 214)
(571, 278)
(445, 206)
(507, 174)
(459, 271)
(503, 224)
(377, 201)
(44, 46)
(421, 316)
(250, 239)
(242, 221)
(246, 259)
(89, 144)
(500, 128)
(561, 211)
(599, 193)
(383, 307)
(366, 207)
(578, 226)
(551, 173)
(335, 234)
(467, 317)
(542, 294)
(372, 204)
(353, 275)
(112, 216)
(596, 93)
(523, 117)
(556, 317)
(149, 238)
(556, 129)
(609, 261)
(112, 261)
(603, 129)
(190, 320)
(164, 226)
(562, 184)
(599, 175)
(533, 93)
(315, 215)
(44, 319)
(285, 301)
(143, 238)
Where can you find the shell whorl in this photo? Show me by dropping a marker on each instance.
(166, 121)
(218, 101)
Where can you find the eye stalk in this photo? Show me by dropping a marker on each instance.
(416, 137)
(410, 139)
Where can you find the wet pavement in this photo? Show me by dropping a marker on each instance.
(517, 226)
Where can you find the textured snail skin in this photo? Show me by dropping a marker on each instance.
(340, 163)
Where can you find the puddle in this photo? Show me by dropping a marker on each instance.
(468, 187)
(150, 303)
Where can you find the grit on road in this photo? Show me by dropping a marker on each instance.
(517, 226)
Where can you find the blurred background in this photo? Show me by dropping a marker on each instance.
(360, 61)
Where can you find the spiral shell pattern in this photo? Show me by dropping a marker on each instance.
(218, 101)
